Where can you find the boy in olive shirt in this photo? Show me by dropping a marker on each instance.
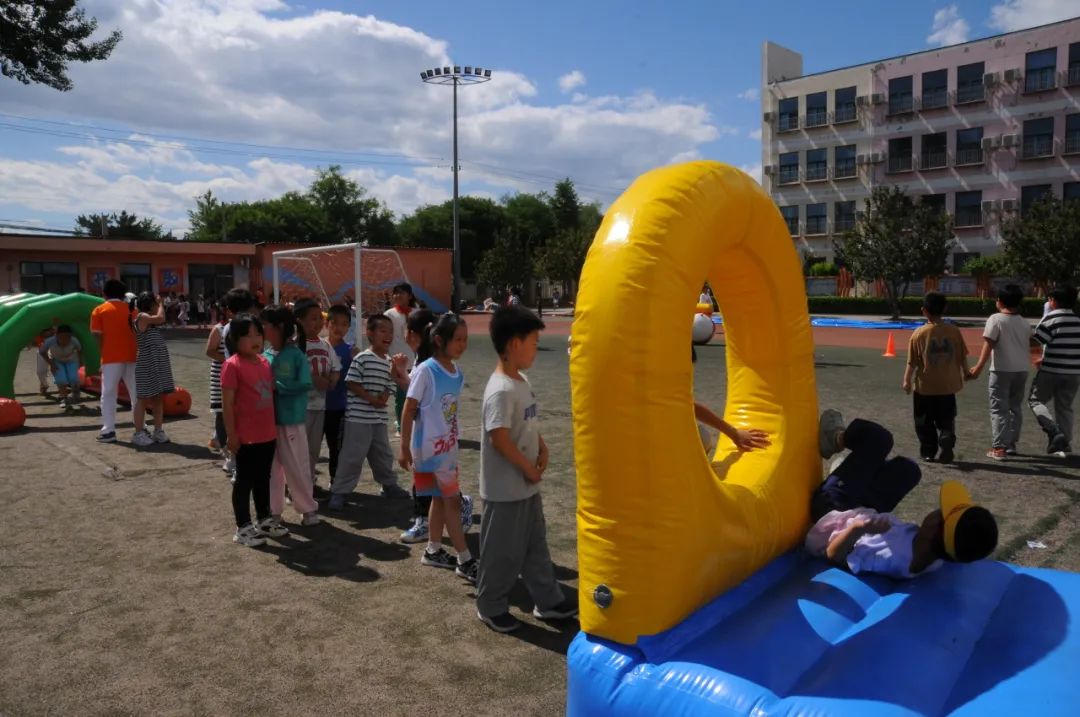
(936, 369)
(513, 457)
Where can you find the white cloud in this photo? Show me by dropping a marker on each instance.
(752, 94)
(572, 80)
(948, 27)
(755, 134)
(1020, 14)
(754, 170)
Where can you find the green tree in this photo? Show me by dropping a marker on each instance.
(480, 220)
(566, 206)
(206, 222)
(1043, 243)
(351, 215)
(562, 256)
(505, 263)
(38, 39)
(897, 241)
(119, 226)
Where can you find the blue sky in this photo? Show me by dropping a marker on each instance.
(595, 89)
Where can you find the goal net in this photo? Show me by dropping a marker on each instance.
(338, 274)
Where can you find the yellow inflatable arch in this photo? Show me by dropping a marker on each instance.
(660, 531)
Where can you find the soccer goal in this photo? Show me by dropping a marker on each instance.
(337, 274)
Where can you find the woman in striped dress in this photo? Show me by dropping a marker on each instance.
(153, 370)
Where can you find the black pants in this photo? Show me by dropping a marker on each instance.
(935, 423)
(253, 462)
(867, 478)
(332, 424)
(421, 504)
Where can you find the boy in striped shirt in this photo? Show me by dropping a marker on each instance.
(370, 385)
(1058, 376)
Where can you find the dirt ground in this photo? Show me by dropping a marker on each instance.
(122, 593)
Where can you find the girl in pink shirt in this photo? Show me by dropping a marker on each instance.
(247, 396)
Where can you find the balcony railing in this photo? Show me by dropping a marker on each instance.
(845, 113)
(901, 104)
(968, 217)
(843, 224)
(899, 163)
(816, 225)
(934, 159)
(932, 99)
(817, 117)
(1072, 142)
(1040, 80)
(975, 92)
(968, 156)
(787, 123)
(845, 168)
(817, 171)
(1040, 145)
(1073, 77)
(789, 175)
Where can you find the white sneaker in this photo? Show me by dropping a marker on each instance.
(311, 518)
(160, 436)
(229, 466)
(249, 536)
(418, 533)
(142, 439)
(272, 526)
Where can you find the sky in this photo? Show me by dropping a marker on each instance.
(246, 98)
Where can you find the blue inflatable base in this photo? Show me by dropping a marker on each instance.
(802, 638)
(832, 322)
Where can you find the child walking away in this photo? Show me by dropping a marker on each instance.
(292, 384)
(1058, 376)
(513, 458)
(399, 316)
(111, 325)
(365, 436)
(153, 370)
(325, 371)
(1006, 341)
(247, 395)
(340, 319)
(936, 370)
(234, 303)
(64, 355)
(431, 451)
(854, 526)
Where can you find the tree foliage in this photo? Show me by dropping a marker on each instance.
(1043, 243)
(480, 220)
(119, 226)
(897, 241)
(505, 263)
(38, 39)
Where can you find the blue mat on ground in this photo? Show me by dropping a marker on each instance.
(802, 638)
(828, 322)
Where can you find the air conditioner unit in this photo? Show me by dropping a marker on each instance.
(862, 101)
(1008, 205)
(862, 159)
(770, 169)
(1013, 76)
(990, 79)
(768, 116)
(990, 142)
(988, 205)
(1010, 140)
(877, 157)
(877, 99)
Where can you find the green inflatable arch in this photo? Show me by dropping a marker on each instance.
(23, 319)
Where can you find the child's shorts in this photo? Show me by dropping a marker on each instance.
(67, 373)
(443, 484)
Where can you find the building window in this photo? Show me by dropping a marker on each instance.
(1032, 193)
(934, 151)
(843, 216)
(791, 218)
(844, 161)
(934, 201)
(136, 276)
(789, 115)
(817, 109)
(49, 277)
(210, 280)
(969, 146)
(1039, 70)
(961, 258)
(1038, 138)
(969, 83)
(935, 89)
(817, 165)
(844, 103)
(968, 209)
(900, 95)
(816, 219)
(1072, 134)
(1073, 77)
(789, 168)
(900, 154)
(1070, 192)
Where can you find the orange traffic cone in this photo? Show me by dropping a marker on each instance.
(890, 347)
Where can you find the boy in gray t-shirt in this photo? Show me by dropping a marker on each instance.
(513, 457)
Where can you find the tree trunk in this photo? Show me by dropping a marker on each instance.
(892, 289)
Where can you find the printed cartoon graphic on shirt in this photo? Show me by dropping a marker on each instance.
(940, 351)
(446, 442)
(265, 387)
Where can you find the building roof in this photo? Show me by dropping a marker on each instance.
(72, 243)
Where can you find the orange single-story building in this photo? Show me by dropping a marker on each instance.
(64, 264)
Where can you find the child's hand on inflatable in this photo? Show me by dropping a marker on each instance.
(872, 526)
(748, 440)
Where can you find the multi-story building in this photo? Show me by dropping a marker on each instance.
(981, 129)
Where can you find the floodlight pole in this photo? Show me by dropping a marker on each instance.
(455, 293)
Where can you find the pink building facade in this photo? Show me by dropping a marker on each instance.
(981, 129)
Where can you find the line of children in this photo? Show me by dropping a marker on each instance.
(153, 370)
(340, 319)
(63, 355)
(399, 315)
(325, 371)
(234, 303)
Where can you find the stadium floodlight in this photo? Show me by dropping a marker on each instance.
(471, 76)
